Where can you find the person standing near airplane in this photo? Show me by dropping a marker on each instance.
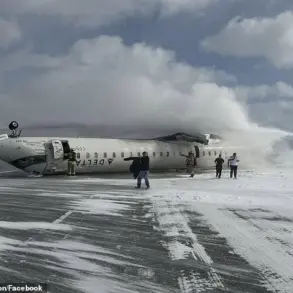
(233, 163)
(190, 163)
(71, 163)
(135, 166)
(219, 166)
(144, 170)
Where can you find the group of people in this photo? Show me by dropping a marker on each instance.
(232, 163)
(140, 166)
(191, 163)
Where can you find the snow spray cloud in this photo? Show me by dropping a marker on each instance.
(259, 147)
(104, 82)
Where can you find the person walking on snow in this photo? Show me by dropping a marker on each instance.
(190, 163)
(144, 170)
(233, 163)
(219, 166)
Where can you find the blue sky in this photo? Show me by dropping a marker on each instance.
(157, 63)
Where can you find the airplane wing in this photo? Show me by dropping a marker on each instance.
(199, 138)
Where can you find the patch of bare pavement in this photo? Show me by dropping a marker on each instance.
(81, 235)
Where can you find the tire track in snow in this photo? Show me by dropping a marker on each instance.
(183, 244)
(275, 265)
(272, 231)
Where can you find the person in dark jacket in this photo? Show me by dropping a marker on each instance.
(219, 166)
(135, 166)
(144, 170)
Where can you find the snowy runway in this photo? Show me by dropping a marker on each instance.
(185, 235)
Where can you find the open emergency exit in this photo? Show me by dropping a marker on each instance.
(57, 150)
(196, 148)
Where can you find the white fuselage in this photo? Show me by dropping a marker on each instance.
(45, 155)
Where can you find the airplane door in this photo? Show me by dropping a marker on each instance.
(55, 154)
(58, 152)
(196, 148)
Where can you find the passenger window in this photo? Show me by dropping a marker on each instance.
(105, 155)
(161, 154)
(154, 154)
(114, 155)
(209, 153)
(96, 155)
(138, 154)
(203, 153)
(168, 154)
(122, 155)
(87, 155)
(78, 155)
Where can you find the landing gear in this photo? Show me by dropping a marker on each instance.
(13, 126)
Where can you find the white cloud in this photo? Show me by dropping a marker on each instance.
(271, 38)
(9, 33)
(99, 12)
(260, 93)
(277, 113)
(268, 105)
(102, 81)
(24, 58)
(173, 6)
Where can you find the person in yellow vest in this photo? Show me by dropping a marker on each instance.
(71, 163)
(190, 163)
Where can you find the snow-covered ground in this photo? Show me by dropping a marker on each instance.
(254, 214)
(184, 235)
